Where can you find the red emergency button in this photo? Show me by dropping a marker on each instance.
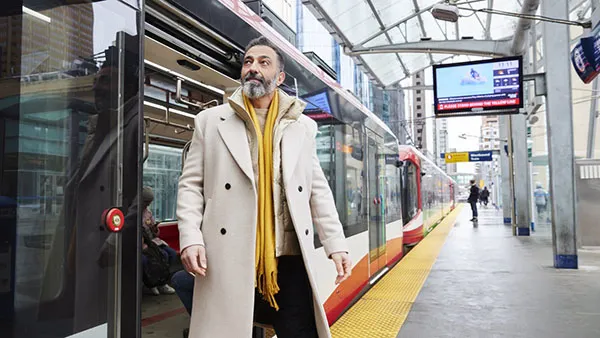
(113, 219)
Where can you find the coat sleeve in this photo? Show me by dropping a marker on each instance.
(190, 196)
(322, 206)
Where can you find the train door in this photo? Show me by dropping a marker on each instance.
(69, 104)
(376, 177)
(177, 87)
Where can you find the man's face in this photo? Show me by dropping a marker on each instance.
(260, 72)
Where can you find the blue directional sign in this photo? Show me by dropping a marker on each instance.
(480, 156)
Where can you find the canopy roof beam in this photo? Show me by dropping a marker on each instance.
(396, 24)
(423, 33)
(486, 48)
(382, 26)
(530, 7)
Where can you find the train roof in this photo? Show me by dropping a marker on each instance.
(240, 24)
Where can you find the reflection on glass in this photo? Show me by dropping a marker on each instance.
(60, 164)
(340, 151)
(410, 197)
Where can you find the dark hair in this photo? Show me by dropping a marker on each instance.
(262, 41)
(472, 181)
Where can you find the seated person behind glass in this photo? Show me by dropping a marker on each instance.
(150, 232)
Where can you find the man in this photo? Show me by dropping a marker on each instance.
(541, 201)
(246, 208)
(485, 194)
(473, 198)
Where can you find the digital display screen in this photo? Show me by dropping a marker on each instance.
(481, 85)
(317, 103)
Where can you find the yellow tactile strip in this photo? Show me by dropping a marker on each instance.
(381, 312)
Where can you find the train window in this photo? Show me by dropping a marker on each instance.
(410, 196)
(339, 148)
(393, 200)
(161, 173)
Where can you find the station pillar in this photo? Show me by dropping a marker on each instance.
(507, 202)
(559, 124)
(522, 178)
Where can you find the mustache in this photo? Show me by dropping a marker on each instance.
(251, 76)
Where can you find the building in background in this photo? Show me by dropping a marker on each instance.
(489, 172)
(59, 37)
(441, 137)
(418, 117)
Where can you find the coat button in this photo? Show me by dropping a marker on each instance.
(223, 231)
(300, 188)
(227, 186)
(306, 232)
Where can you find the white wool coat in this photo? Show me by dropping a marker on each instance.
(217, 207)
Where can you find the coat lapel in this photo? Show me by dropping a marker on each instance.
(233, 133)
(291, 146)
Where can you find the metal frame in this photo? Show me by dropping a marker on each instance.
(486, 47)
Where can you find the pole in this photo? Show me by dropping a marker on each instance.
(593, 119)
(560, 136)
(521, 171)
(505, 172)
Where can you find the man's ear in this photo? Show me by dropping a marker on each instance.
(280, 78)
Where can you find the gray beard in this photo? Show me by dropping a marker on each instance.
(254, 90)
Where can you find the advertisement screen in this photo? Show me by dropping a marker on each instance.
(317, 103)
(494, 84)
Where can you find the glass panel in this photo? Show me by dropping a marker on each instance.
(392, 198)
(409, 192)
(341, 153)
(354, 17)
(161, 172)
(392, 11)
(376, 176)
(65, 130)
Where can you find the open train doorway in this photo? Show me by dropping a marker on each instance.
(177, 87)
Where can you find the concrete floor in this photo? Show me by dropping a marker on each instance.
(488, 283)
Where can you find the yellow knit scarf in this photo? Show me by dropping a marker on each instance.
(265, 277)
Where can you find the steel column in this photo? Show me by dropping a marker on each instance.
(560, 135)
(521, 163)
(507, 203)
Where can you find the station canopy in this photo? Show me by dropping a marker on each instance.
(408, 28)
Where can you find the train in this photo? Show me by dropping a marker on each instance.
(388, 195)
(83, 131)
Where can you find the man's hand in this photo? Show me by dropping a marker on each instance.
(343, 265)
(194, 259)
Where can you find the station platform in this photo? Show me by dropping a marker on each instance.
(478, 280)
(462, 280)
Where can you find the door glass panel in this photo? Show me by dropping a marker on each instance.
(69, 151)
(376, 175)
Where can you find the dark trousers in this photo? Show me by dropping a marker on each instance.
(183, 283)
(296, 316)
(474, 208)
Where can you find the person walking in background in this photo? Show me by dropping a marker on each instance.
(473, 198)
(541, 201)
(485, 195)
